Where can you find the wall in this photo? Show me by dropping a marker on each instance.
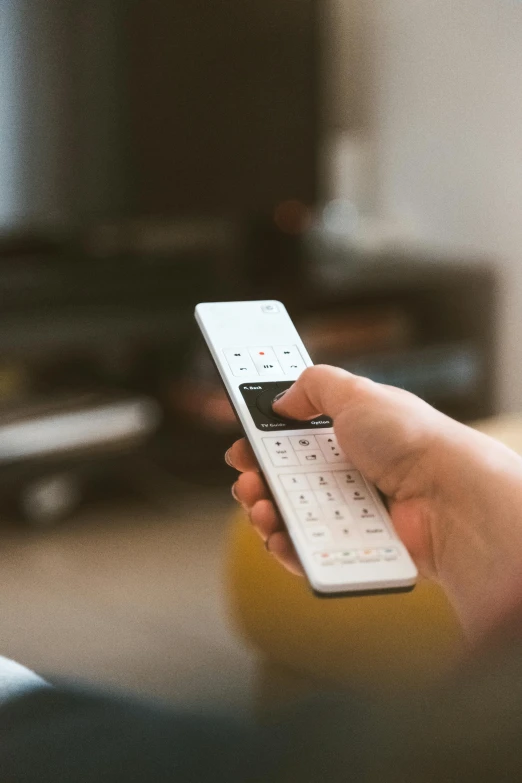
(446, 120)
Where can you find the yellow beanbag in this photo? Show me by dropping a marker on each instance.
(378, 643)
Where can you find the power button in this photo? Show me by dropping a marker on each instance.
(269, 308)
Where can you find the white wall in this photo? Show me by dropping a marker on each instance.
(446, 116)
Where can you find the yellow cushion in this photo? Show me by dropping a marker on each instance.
(377, 642)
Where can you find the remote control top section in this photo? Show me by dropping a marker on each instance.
(259, 398)
(340, 528)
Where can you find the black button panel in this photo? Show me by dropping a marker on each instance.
(259, 398)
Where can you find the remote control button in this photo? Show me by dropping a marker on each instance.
(310, 457)
(269, 308)
(331, 449)
(319, 534)
(375, 531)
(338, 513)
(326, 558)
(309, 516)
(290, 359)
(321, 480)
(304, 442)
(348, 556)
(369, 556)
(349, 479)
(329, 496)
(335, 456)
(240, 362)
(342, 533)
(265, 361)
(291, 482)
(304, 498)
(366, 512)
(357, 495)
(259, 395)
(389, 553)
(281, 453)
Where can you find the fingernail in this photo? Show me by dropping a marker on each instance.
(233, 491)
(280, 395)
(227, 458)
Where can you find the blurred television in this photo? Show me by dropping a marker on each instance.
(161, 123)
(222, 104)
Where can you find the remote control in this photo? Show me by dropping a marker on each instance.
(337, 521)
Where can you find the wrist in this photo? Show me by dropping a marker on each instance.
(487, 614)
(480, 562)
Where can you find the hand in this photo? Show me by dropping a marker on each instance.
(454, 495)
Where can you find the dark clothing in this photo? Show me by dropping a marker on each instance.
(469, 729)
(57, 736)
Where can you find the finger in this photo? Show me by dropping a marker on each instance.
(241, 457)
(249, 489)
(269, 525)
(280, 546)
(265, 519)
(323, 389)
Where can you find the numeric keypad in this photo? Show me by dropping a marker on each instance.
(334, 508)
(337, 501)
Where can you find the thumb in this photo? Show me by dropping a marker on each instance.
(321, 390)
(382, 430)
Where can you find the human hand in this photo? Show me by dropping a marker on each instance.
(454, 495)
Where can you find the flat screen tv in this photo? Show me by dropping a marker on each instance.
(124, 108)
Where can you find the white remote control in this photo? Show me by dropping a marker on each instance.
(340, 528)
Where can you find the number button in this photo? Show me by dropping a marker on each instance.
(310, 457)
(349, 479)
(304, 498)
(321, 480)
(357, 495)
(304, 442)
(343, 533)
(328, 496)
(331, 448)
(309, 516)
(366, 512)
(281, 453)
(338, 513)
(295, 482)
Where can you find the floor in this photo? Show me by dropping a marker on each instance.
(128, 598)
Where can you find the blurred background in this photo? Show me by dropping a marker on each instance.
(360, 160)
